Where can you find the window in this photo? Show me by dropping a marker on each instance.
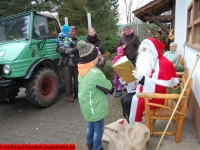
(193, 25)
(14, 28)
(44, 28)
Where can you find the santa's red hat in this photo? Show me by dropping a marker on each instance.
(155, 45)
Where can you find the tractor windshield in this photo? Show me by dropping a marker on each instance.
(14, 28)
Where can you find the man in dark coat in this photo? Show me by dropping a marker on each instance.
(70, 71)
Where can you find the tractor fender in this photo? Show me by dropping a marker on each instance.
(44, 62)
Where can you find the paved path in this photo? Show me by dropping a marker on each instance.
(22, 122)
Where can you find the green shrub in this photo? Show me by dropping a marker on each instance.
(179, 69)
(109, 43)
(108, 70)
(175, 90)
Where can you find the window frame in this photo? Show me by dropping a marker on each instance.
(192, 12)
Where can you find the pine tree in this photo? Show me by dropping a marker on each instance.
(103, 16)
(10, 7)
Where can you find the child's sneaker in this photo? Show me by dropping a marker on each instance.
(60, 64)
(116, 93)
(71, 63)
(119, 92)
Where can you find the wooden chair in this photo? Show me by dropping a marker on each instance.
(163, 112)
(181, 63)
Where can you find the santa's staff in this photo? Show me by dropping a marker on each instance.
(198, 56)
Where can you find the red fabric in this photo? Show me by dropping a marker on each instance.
(158, 45)
(116, 58)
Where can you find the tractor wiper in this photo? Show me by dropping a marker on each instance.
(14, 38)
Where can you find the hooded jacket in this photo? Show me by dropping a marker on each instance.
(91, 92)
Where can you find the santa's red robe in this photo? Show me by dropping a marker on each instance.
(164, 75)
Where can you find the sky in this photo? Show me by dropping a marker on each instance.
(122, 11)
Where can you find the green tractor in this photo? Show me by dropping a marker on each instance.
(28, 57)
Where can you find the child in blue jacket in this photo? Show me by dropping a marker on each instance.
(64, 40)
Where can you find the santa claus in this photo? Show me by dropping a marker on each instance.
(154, 73)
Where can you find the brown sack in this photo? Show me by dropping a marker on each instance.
(126, 137)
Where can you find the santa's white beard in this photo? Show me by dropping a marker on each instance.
(145, 63)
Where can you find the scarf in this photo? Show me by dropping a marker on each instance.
(93, 39)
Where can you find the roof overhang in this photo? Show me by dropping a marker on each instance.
(152, 12)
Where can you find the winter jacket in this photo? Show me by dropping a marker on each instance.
(76, 58)
(129, 51)
(91, 93)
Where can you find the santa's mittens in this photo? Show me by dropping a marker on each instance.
(121, 81)
(137, 75)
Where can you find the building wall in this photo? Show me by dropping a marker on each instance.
(189, 55)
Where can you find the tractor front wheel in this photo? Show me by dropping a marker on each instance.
(43, 87)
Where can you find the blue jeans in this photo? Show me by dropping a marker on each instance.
(94, 134)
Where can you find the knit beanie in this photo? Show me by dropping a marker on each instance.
(87, 52)
(65, 29)
(120, 50)
(126, 27)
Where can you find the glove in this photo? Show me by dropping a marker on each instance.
(72, 44)
(137, 75)
(68, 51)
(121, 81)
(112, 91)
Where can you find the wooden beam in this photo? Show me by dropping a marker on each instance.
(162, 21)
(159, 17)
(161, 25)
(173, 13)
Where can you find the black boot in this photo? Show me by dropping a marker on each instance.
(124, 114)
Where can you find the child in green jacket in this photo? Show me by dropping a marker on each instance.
(92, 89)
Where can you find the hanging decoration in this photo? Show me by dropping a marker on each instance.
(171, 36)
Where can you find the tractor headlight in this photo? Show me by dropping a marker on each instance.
(6, 69)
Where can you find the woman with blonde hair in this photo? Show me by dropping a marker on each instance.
(93, 39)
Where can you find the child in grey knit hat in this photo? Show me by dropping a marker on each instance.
(92, 90)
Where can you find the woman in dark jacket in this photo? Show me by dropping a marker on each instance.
(93, 39)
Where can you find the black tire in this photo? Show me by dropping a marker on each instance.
(43, 88)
